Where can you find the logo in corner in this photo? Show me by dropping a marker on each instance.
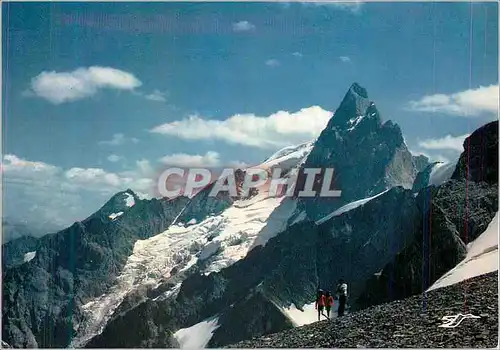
(454, 321)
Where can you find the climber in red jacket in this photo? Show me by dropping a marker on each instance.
(320, 302)
(328, 303)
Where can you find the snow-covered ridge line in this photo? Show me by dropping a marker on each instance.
(482, 258)
(290, 149)
(348, 207)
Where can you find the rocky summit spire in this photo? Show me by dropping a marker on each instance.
(354, 105)
(368, 156)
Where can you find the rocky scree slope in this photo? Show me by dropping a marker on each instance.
(412, 322)
(42, 298)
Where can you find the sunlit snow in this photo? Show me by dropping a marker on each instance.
(354, 122)
(216, 242)
(197, 336)
(115, 215)
(441, 172)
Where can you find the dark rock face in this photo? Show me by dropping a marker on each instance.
(422, 179)
(409, 323)
(72, 266)
(367, 156)
(479, 161)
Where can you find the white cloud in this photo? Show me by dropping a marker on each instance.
(113, 158)
(448, 142)
(118, 139)
(345, 59)
(468, 103)
(297, 54)
(209, 159)
(277, 130)
(243, 26)
(61, 87)
(272, 63)
(156, 95)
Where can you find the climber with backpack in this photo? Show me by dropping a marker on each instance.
(320, 302)
(342, 294)
(328, 303)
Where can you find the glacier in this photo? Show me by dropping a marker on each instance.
(215, 242)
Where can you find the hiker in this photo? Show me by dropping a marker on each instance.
(342, 293)
(329, 303)
(320, 302)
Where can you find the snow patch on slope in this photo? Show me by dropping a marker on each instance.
(482, 258)
(348, 207)
(292, 151)
(300, 217)
(115, 215)
(29, 256)
(214, 243)
(217, 241)
(299, 318)
(198, 335)
(441, 172)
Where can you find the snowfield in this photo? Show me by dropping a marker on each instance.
(197, 336)
(482, 258)
(441, 172)
(291, 152)
(216, 242)
(348, 207)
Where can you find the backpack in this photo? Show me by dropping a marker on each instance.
(342, 289)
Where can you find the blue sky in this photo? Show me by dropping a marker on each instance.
(96, 96)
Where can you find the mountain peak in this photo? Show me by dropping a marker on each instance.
(354, 104)
(358, 90)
